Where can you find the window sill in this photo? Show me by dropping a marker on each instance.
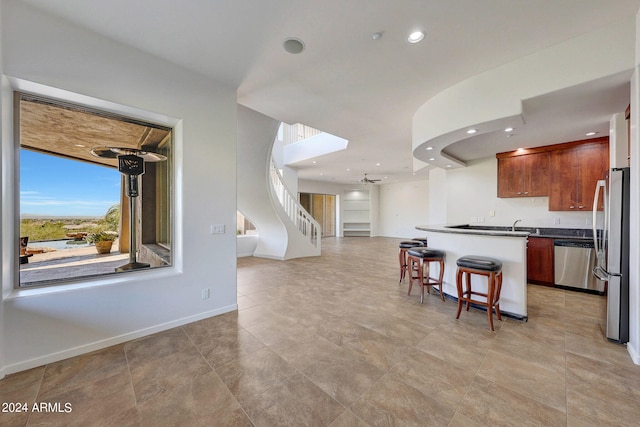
(111, 279)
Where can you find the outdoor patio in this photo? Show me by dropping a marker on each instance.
(70, 263)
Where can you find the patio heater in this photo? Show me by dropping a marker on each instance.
(130, 164)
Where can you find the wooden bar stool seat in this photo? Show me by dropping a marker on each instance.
(402, 255)
(422, 240)
(419, 260)
(483, 266)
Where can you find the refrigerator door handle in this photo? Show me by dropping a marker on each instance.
(600, 273)
(599, 241)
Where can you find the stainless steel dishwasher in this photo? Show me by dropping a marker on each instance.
(574, 261)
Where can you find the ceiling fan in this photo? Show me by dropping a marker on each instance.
(366, 180)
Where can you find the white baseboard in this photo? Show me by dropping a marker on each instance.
(98, 345)
(635, 357)
(267, 256)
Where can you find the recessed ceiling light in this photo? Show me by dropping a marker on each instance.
(348, 169)
(509, 129)
(377, 164)
(377, 36)
(431, 159)
(293, 46)
(472, 131)
(314, 162)
(415, 37)
(429, 148)
(591, 133)
(448, 166)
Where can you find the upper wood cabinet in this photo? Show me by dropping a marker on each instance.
(523, 175)
(575, 170)
(567, 173)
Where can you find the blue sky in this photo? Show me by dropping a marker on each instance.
(53, 186)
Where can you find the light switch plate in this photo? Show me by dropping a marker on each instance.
(217, 228)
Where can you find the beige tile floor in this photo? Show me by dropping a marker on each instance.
(335, 341)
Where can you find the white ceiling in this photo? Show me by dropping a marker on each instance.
(358, 88)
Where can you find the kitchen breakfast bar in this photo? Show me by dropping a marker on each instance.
(510, 247)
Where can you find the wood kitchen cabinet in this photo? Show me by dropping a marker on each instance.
(523, 175)
(540, 265)
(575, 171)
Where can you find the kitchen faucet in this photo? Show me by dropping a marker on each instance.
(513, 227)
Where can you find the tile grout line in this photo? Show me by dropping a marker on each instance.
(133, 390)
(216, 374)
(37, 393)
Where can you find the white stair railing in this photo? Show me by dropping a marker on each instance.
(303, 221)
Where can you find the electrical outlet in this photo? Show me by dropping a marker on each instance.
(205, 293)
(556, 220)
(492, 213)
(480, 219)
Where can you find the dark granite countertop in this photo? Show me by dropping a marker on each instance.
(578, 234)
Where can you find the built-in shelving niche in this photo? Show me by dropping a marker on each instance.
(356, 219)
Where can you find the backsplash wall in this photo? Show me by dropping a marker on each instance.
(471, 197)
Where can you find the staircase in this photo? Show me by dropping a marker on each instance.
(301, 219)
(285, 229)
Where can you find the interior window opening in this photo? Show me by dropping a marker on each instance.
(244, 226)
(81, 171)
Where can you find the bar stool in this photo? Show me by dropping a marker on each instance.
(402, 255)
(483, 266)
(423, 240)
(419, 260)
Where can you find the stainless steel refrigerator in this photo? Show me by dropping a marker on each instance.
(611, 239)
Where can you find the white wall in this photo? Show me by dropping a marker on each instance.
(438, 192)
(40, 326)
(246, 245)
(4, 255)
(403, 206)
(320, 187)
(256, 133)
(634, 267)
